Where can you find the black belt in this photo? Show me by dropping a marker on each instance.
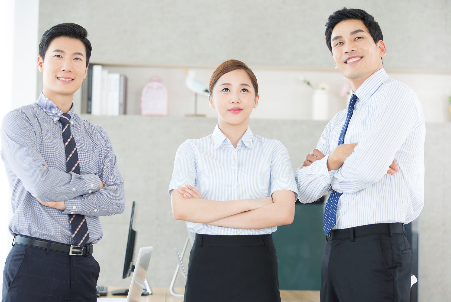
(364, 230)
(72, 250)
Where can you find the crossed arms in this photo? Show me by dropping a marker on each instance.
(88, 194)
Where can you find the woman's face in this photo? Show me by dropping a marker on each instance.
(234, 97)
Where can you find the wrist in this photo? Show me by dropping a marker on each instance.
(333, 163)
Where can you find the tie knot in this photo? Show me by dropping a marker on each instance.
(65, 119)
(352, 101)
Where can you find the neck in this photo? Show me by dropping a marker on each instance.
(233, 132)
(356, 83)
(63, 101)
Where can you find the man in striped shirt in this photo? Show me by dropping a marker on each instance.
(63, 176)
(371, 157)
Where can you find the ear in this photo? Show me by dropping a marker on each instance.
(257, 97)
(381, 48)
(210, 101)
(40, 63)
(86, 71)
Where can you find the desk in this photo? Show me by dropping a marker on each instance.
(161, 294)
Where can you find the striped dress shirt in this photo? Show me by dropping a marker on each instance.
(35, 162)
(256, 168)
(387, 124)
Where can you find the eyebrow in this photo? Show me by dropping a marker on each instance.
(75, 53)
(352, 33)
(231, 84)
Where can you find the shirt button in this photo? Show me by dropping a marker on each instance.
(92, 185)
(73, 189)
(95, 210)
(74, 207)
(72, 212)
(89, 191)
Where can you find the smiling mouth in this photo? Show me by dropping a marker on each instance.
(65, 79)
(352, 60)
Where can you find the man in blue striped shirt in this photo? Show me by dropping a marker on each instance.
(371, 156)
(63, 176)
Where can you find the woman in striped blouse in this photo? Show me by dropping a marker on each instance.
(233, 188)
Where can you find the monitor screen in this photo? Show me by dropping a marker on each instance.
(128, 262)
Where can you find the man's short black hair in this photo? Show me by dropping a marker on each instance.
(352, 14)
(70, 30)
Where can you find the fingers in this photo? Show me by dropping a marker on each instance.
(189, 192)
(317, 154)
(393, 169)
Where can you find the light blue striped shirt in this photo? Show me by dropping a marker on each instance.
(256, 168)
(387, 124)
(32, 139)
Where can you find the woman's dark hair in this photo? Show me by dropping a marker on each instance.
(352, 14)
(70, 30)
(229, 66)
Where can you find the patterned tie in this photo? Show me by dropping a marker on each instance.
(330, 212)
(80, 233)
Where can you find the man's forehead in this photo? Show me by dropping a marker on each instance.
(349, 27)
(67, 45)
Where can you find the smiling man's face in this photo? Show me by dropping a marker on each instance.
(63, 68)
(354, 52)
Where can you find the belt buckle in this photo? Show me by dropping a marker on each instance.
(328, 236)
(75, 250)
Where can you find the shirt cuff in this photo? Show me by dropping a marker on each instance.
(92, 182)
(73, 206)
(335, 184)
(323, 172)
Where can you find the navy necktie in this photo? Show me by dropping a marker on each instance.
(79, 227)
(330, 212)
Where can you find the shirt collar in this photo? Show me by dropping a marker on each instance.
(219, 137)
(371, 85)
(51, 109)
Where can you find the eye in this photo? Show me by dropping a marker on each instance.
(358, 38)
(58, 56)
(244, 90)
(79, 59)
(338, 43)
(225, 89)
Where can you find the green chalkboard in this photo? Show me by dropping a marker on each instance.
(300, 248)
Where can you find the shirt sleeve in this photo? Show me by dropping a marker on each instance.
(110, 199)
(184, 167)
(282, 176)
(397, 115)
(314, 181)
(21, 155)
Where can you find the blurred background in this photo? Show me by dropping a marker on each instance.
(283, 42)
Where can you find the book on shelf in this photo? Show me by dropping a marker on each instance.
(104, 93)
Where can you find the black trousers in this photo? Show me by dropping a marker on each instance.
(34, 274)
(367, 263)
(232, 269)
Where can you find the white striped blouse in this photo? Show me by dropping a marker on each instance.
(387, 124)
(256, 168)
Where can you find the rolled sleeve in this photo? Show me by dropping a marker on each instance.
(184, 167)
(282, 176)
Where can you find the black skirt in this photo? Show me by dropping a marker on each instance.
(232, 269)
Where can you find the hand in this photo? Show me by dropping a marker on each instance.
(189, 192)
(60, 205)
(339, 155)
(101, 185)
(312, 157)
(393, 168)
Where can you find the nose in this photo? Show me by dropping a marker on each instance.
(350, 46)
(235, 98)
(67, 64)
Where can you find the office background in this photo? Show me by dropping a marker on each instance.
(281, 41)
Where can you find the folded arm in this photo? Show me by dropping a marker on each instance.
(281, 212)
(20, 154)
(110, 200)
(194, 208)
(377, 149)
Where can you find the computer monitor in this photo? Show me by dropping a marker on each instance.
(129, 266)
(128, 262)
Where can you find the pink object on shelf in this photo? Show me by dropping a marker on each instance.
(154, 98)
